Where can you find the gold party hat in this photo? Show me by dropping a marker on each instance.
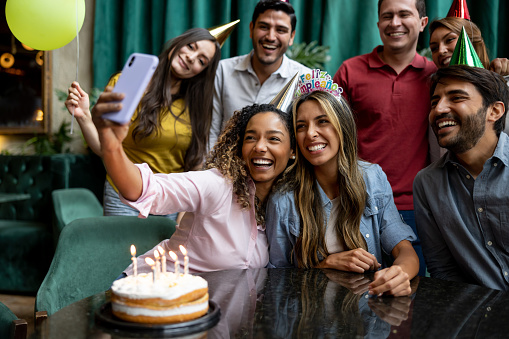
(284, 98)
(221, 33)
(464, 53)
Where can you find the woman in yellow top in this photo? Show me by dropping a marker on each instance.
(170, 128)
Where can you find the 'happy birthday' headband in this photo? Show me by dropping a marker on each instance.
(317, 81)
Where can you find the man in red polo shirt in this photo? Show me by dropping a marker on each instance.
(388, 91)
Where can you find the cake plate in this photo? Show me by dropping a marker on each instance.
(105, 319)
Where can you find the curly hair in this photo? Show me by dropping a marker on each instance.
(226, 156)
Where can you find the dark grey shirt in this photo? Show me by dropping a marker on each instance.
(463, 223)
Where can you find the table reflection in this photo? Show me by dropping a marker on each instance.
(325, 304)
(293, 303)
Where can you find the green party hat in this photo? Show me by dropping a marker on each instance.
(464, 53)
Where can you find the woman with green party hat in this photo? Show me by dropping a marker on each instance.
(444, 34)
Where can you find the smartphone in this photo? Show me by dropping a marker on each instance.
(133, 81)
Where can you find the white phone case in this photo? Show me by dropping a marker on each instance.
(133, 81)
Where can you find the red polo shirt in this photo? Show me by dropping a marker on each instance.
(391, 112)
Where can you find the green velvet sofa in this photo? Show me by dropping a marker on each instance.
(11, 327)
(93, 252)
(26, 236)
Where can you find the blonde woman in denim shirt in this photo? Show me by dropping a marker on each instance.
(341, 212)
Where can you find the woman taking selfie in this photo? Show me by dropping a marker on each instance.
(223, 227)
(169, 130)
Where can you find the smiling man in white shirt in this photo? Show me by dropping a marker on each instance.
(256, 77)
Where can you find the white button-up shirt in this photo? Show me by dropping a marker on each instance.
(236, 85)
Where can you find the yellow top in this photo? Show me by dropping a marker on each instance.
(165, 151)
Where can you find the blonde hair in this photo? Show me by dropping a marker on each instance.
(352, 189)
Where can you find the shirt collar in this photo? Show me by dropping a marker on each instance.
(502, 149)
(375, 61)
(323, 196)
(284, 71)
(501, 152)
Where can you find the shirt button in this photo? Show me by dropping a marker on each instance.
(480, 210)
(495, 164)
(468, 176)
(490, 243)
(505, 273)
(367, 235)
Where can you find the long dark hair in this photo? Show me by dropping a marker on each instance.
(196, 92)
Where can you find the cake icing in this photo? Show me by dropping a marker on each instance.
(171, 298)
(167, 286)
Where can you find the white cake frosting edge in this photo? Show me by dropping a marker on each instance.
(175, 311)
(167, 287)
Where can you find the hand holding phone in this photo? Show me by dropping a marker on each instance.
(133, 81)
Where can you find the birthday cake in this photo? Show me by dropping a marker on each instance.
(171, 298)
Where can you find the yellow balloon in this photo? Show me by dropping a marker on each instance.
(44, 24)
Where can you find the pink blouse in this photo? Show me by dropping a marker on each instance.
(215, 231)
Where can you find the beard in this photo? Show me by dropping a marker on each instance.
(472, 129)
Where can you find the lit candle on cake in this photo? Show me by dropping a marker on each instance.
(163, 258)
(151, 263)
(135, 265)
(158, 264)
(177, 264)
(186, 259)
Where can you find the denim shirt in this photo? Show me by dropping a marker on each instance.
(381, 225)
(463, 223)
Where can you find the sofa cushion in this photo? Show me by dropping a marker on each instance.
(26, 250)
(34, 175)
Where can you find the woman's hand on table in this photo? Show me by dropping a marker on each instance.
(392, 281)
(357, 260)
(111, 134)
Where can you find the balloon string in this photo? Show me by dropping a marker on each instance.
(77, 60)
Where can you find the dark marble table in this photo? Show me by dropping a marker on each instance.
(292, 303)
